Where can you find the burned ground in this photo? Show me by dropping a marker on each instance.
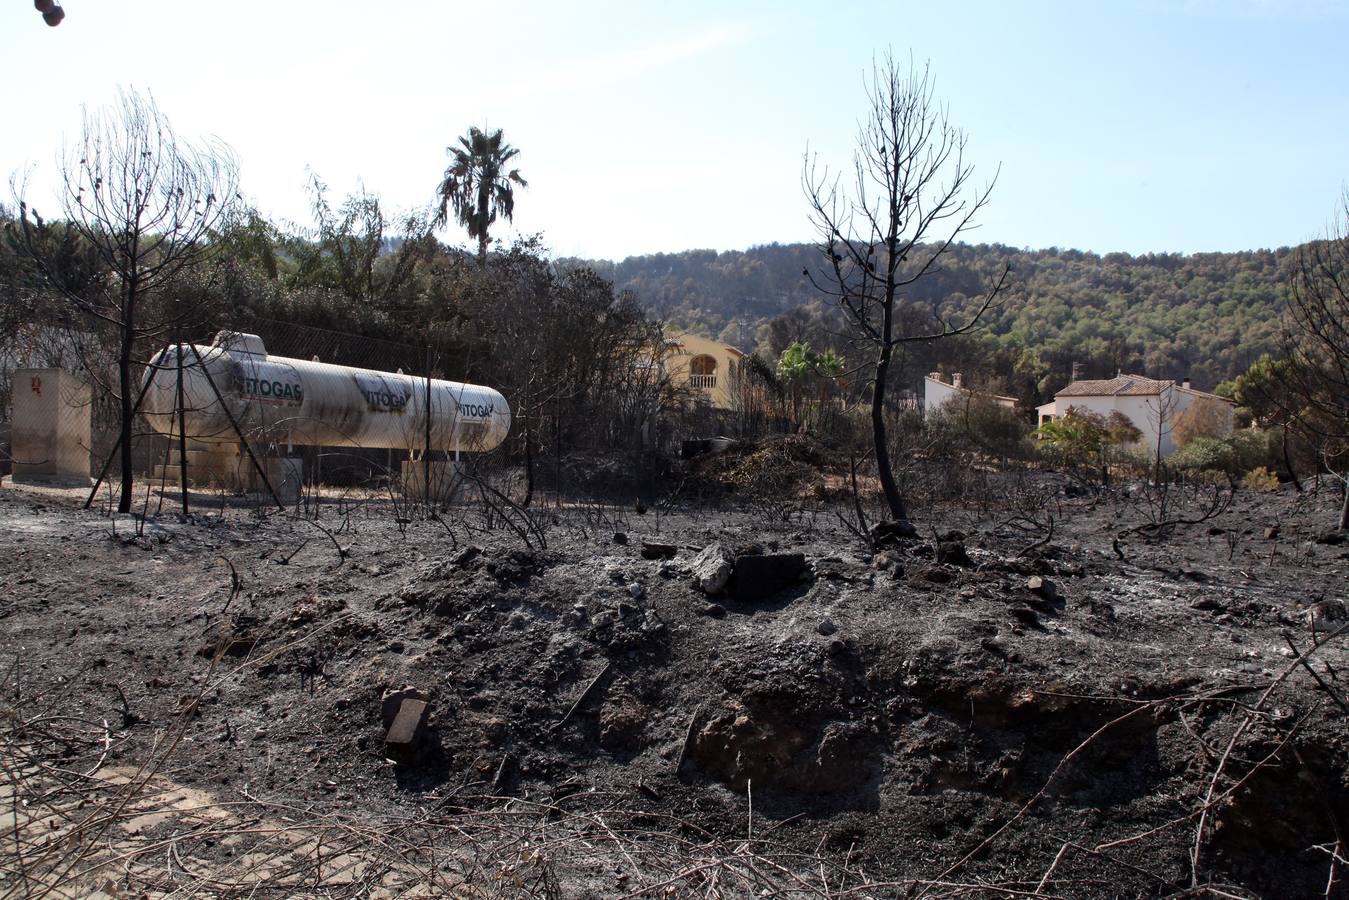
(980, 710)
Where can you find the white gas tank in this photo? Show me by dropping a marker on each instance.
(275, 398)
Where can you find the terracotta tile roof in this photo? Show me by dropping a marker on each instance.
(1129, 386)
(1119, 386)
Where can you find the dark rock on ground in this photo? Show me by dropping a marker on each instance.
(888, 533)
(952, 553)
(760, 576)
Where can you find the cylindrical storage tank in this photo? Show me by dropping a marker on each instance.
(296, 401)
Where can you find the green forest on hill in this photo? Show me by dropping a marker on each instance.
(1206, 315)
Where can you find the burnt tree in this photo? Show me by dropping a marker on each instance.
(887, 224)
(1316, 373)
(145, 205)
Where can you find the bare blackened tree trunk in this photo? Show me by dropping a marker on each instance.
(125, 381)
(1344, 504)
(898, 510)
(146, 206)
(1317, 340)
(907, 201)
(1288, 459)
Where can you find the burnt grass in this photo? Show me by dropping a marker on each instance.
(914, 714)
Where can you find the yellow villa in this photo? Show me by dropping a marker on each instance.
(711, 370)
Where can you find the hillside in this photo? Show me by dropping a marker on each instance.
(1206, 315)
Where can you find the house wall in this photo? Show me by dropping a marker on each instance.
(1149, 414)
(724, 390)
(936, 392)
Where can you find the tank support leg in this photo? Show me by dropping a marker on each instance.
(237, 430)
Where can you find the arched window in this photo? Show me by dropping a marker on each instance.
(703, 371)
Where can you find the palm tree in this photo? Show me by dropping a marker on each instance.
(477, 186)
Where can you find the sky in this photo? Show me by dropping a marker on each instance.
(1131, 125)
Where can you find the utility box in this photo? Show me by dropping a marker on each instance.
(52, 427)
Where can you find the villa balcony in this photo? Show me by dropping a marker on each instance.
(706, 382)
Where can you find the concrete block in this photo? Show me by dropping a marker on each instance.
(52, 426)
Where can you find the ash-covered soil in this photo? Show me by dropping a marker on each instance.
(986, 709)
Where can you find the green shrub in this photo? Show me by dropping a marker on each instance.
(1235, 454)
(1074, 439)
(1203, 454)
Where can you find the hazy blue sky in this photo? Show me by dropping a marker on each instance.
(643, 127)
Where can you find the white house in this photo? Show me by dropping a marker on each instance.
(1152, 405)
(936, 392)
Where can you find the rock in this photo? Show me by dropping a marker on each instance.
(826, 627)
(1211, 604)
(760, 576)
(620, 538)
(953, 553)
(1026, 616)
(652, 550)
(886, 533)
(409, 717)
(1042, 587)
(1272, 533)
(715, 610)
(636, 591)
(712, 569)
(393, 700)
(1332, 538)
(936, 575)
